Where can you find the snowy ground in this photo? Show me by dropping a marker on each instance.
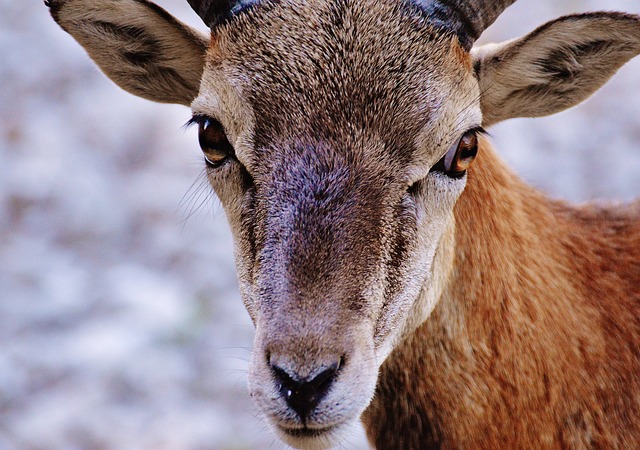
(120, 321)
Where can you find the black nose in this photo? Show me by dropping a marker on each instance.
(303, 395)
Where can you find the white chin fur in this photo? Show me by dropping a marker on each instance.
(329, 439)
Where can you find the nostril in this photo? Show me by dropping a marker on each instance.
(284, 380)
(304, 395)
(322, 381)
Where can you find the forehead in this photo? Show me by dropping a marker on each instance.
(326, 69)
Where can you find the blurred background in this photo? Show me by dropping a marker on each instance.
(120, 322)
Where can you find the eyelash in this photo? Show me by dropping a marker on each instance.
(196, 119)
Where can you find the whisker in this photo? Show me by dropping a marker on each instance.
(197, 197)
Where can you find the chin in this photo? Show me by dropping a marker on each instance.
(314, 438)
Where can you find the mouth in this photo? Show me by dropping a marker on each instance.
(309, 438)
(307, 433)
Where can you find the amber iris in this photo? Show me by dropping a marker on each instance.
(459, 157)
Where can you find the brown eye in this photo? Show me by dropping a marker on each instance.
(459, 157)
(213, 141)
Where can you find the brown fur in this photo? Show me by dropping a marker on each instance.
(536, 342)
(512, 321)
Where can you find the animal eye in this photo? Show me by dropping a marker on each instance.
(213, 141)
(459, 157)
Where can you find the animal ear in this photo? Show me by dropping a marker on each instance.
(137, 44)
(556, 66)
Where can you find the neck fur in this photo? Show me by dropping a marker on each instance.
(539, 322)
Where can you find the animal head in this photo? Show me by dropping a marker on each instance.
(338, 135)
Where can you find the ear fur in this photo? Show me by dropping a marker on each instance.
(556, 66)
(137, 44)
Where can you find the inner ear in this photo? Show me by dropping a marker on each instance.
(556, 66)
(138, 45)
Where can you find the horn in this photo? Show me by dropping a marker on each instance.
(466, 19)
(212, 12)
(216, 12)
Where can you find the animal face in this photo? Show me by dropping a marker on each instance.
(334, 128)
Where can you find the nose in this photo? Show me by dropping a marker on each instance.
(304, 394)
